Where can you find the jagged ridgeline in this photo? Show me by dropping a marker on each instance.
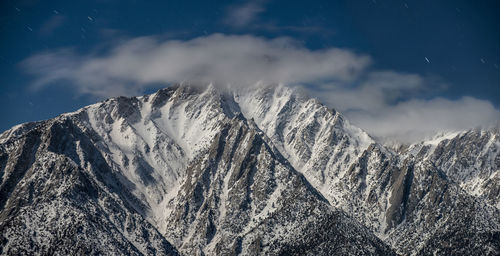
(200, 170)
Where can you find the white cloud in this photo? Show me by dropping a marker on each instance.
(375, 90)
(388, 104)
(132, 65)
(415, 119)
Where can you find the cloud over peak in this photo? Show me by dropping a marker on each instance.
(390, 105)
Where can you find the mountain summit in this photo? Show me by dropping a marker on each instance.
(260, 170)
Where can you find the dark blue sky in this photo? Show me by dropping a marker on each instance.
(460, 39)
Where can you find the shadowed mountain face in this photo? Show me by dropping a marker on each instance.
(264, 170)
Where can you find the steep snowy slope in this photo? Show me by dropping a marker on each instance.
(243, 197)
(59, 196)
(317, 141)
(151, 139)
(396, 196)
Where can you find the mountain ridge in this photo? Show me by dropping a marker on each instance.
(153, 144)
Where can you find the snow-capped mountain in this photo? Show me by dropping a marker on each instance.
(469, 158)
(390, 192)
(261, 170)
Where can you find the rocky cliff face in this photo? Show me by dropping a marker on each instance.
(264, 170)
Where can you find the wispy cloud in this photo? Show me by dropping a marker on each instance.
(244, 14)
(131, 65)
(375, 90)
(389, 105)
